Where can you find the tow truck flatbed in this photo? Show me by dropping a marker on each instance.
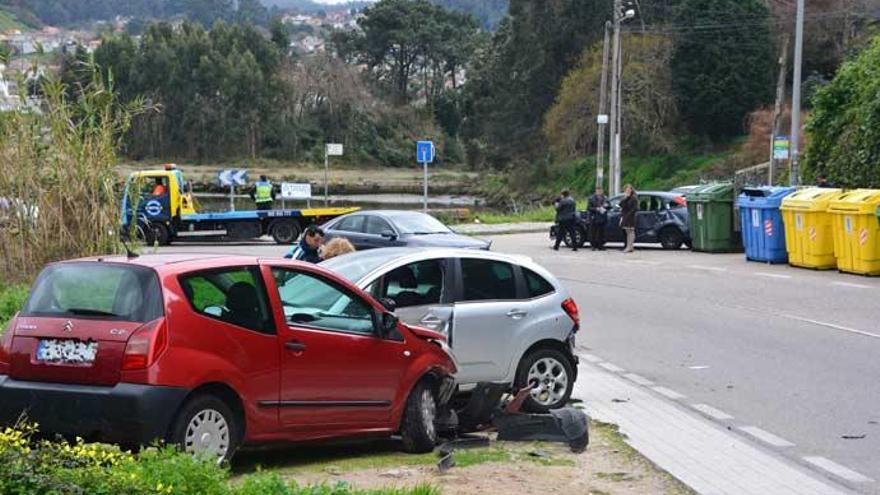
(164, 211)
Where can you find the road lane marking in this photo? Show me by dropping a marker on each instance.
(851, 285)
(708, 268)
(772, 275)
(638, 379)
(766, 436)
(589, 357)
(832, 325)
(698, 367)
(612, 368)
(668, 393)
(837, 470)
(711, 411)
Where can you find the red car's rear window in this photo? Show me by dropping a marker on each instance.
(96, 290)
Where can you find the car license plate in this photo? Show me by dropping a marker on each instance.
(66, 351)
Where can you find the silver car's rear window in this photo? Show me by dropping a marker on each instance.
(356, 265)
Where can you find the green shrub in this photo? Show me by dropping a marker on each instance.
(43, 467)
(11, 300)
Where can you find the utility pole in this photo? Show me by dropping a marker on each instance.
(794, 180)
(614, 186)
(777, 110)
(603, 99)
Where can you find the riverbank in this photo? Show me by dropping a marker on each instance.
(342, 180)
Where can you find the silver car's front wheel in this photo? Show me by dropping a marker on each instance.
(550, 374)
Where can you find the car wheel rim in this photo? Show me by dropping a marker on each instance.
(207, 434)
(429, 412)
(548, 380)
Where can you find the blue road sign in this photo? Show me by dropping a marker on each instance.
(425, 151)
(233, 177)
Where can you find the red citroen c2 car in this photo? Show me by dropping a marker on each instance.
(210, 352)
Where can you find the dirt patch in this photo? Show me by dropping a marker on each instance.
(609, 466)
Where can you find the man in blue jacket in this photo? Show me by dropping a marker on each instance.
(307, 247)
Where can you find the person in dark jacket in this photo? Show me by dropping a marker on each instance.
(629, 207)
(566, 216)
(598, 219)
(824, 183)
(307, 247)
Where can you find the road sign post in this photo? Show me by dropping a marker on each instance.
(330, 149)
(232, 178)
(425, 155)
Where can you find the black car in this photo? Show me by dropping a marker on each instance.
(391, 228)
(662, 218)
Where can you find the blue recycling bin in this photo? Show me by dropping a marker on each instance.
(761, 221)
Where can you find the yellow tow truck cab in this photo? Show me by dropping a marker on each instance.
(166, 212)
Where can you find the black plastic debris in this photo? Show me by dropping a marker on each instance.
(446, 463)
(854, 437)
(562, 425)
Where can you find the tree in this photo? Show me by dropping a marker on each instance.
(843, 138)
(514, 80)
(252, 12)
(649, 111)
(723, 63)
(408, 44)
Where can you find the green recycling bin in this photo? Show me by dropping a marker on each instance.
(711, 219)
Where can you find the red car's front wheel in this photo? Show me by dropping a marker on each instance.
(418, 429)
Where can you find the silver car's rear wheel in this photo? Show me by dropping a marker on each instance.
(550, 373)
(549, 381)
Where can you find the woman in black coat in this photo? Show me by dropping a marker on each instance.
(629, 206)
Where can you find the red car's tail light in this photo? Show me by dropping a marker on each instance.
(145, 345)
(571, 309)
(6, 347)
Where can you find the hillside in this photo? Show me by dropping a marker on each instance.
(489, 12)
(15, 15)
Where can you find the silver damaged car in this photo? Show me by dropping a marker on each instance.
(508, 320)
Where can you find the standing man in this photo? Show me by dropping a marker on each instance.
(598, 219)
(566, 215)
(307, 247)
(263, 194)
(629, 206)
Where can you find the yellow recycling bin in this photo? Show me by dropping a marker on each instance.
(857, 231)
(809, 228)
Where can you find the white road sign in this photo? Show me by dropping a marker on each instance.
(334, 149)
(293, 190)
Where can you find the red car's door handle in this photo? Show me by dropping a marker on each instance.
(295, 346)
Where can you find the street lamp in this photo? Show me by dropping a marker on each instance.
(620, 16)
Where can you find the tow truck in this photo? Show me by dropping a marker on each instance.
(166, 212)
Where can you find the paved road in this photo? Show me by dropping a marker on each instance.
(762, 349)
(791, 352)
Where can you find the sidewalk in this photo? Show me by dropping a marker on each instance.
(502, 228)
(698, 452)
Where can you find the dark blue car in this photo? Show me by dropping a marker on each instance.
(662, 218)
(392, 228)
